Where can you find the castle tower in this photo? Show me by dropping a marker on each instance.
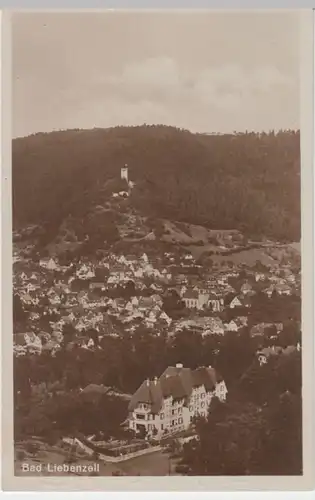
(124, 172)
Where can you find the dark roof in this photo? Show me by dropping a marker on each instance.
(95, 388)
(191, 294)
(131, 258)
(19, 339)
(270, 351)
(149, 392)
(146, 302)
(177, 382)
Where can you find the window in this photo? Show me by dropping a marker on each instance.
(190, 408)
(162, 427)
(162, 416)
(202, 404)
(180, 411)
(180, 420)
(173, 412)
(191, 419)
(173, 422)
(203, 395)
(140, 417)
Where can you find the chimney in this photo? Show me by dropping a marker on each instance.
(179, 365)
(155, 380)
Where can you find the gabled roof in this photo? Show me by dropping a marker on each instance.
(95, 388)
(146, 302)
(131, 258)
(270, 351)
(175, 382)
(191, 294)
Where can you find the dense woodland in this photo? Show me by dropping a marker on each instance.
(249, 182)
(259, 432)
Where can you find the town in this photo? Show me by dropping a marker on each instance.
(197, 312)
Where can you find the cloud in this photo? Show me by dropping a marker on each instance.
(152, 72)
(164, 82)
(224, 97)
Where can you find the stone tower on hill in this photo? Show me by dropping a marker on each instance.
(124, 172)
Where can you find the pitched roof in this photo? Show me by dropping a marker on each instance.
(149, 392)
(131, 258)
(270, 351)
(146, 302)
(177, 382)
(95, 388)
(191, 294)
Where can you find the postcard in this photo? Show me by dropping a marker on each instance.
(157, 250)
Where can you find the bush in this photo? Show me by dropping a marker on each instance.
(20, 455)
(32, 447)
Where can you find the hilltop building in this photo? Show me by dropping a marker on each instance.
(124, 173)
(168, 404)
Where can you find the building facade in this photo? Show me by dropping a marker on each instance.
(168, 404)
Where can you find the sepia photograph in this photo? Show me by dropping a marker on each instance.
(156, 244)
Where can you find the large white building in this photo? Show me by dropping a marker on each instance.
(168, 404)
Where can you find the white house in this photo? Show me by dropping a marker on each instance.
(235, 303)
(231, 326)
(168, 404)
(48, 263)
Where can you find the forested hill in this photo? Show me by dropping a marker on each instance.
(246, 181)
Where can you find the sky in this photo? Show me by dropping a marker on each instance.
(208, 72)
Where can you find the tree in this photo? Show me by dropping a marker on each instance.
(219, 197)
(69, 333)
(19, 314)
(258, 431)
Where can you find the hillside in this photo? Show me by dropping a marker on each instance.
(246, 182)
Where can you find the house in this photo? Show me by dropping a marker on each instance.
(191, 299)
(246, 288)
(260, 277)
(164, 317)
(145, 303)
(283, 289)
(97, 285)
(168, 404)
(180, 279)
(145, 258)
(131, 259)
(157, 299)
(26, 299)
(215, 303)
(48, 263)
(235, 302)
(267, 352)
(85, 272)
(231, 326)
(259, 329)
(213, 326)
(117, 272)
(269, 291)
(27, 342)
(134, 301)
(264, 354)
